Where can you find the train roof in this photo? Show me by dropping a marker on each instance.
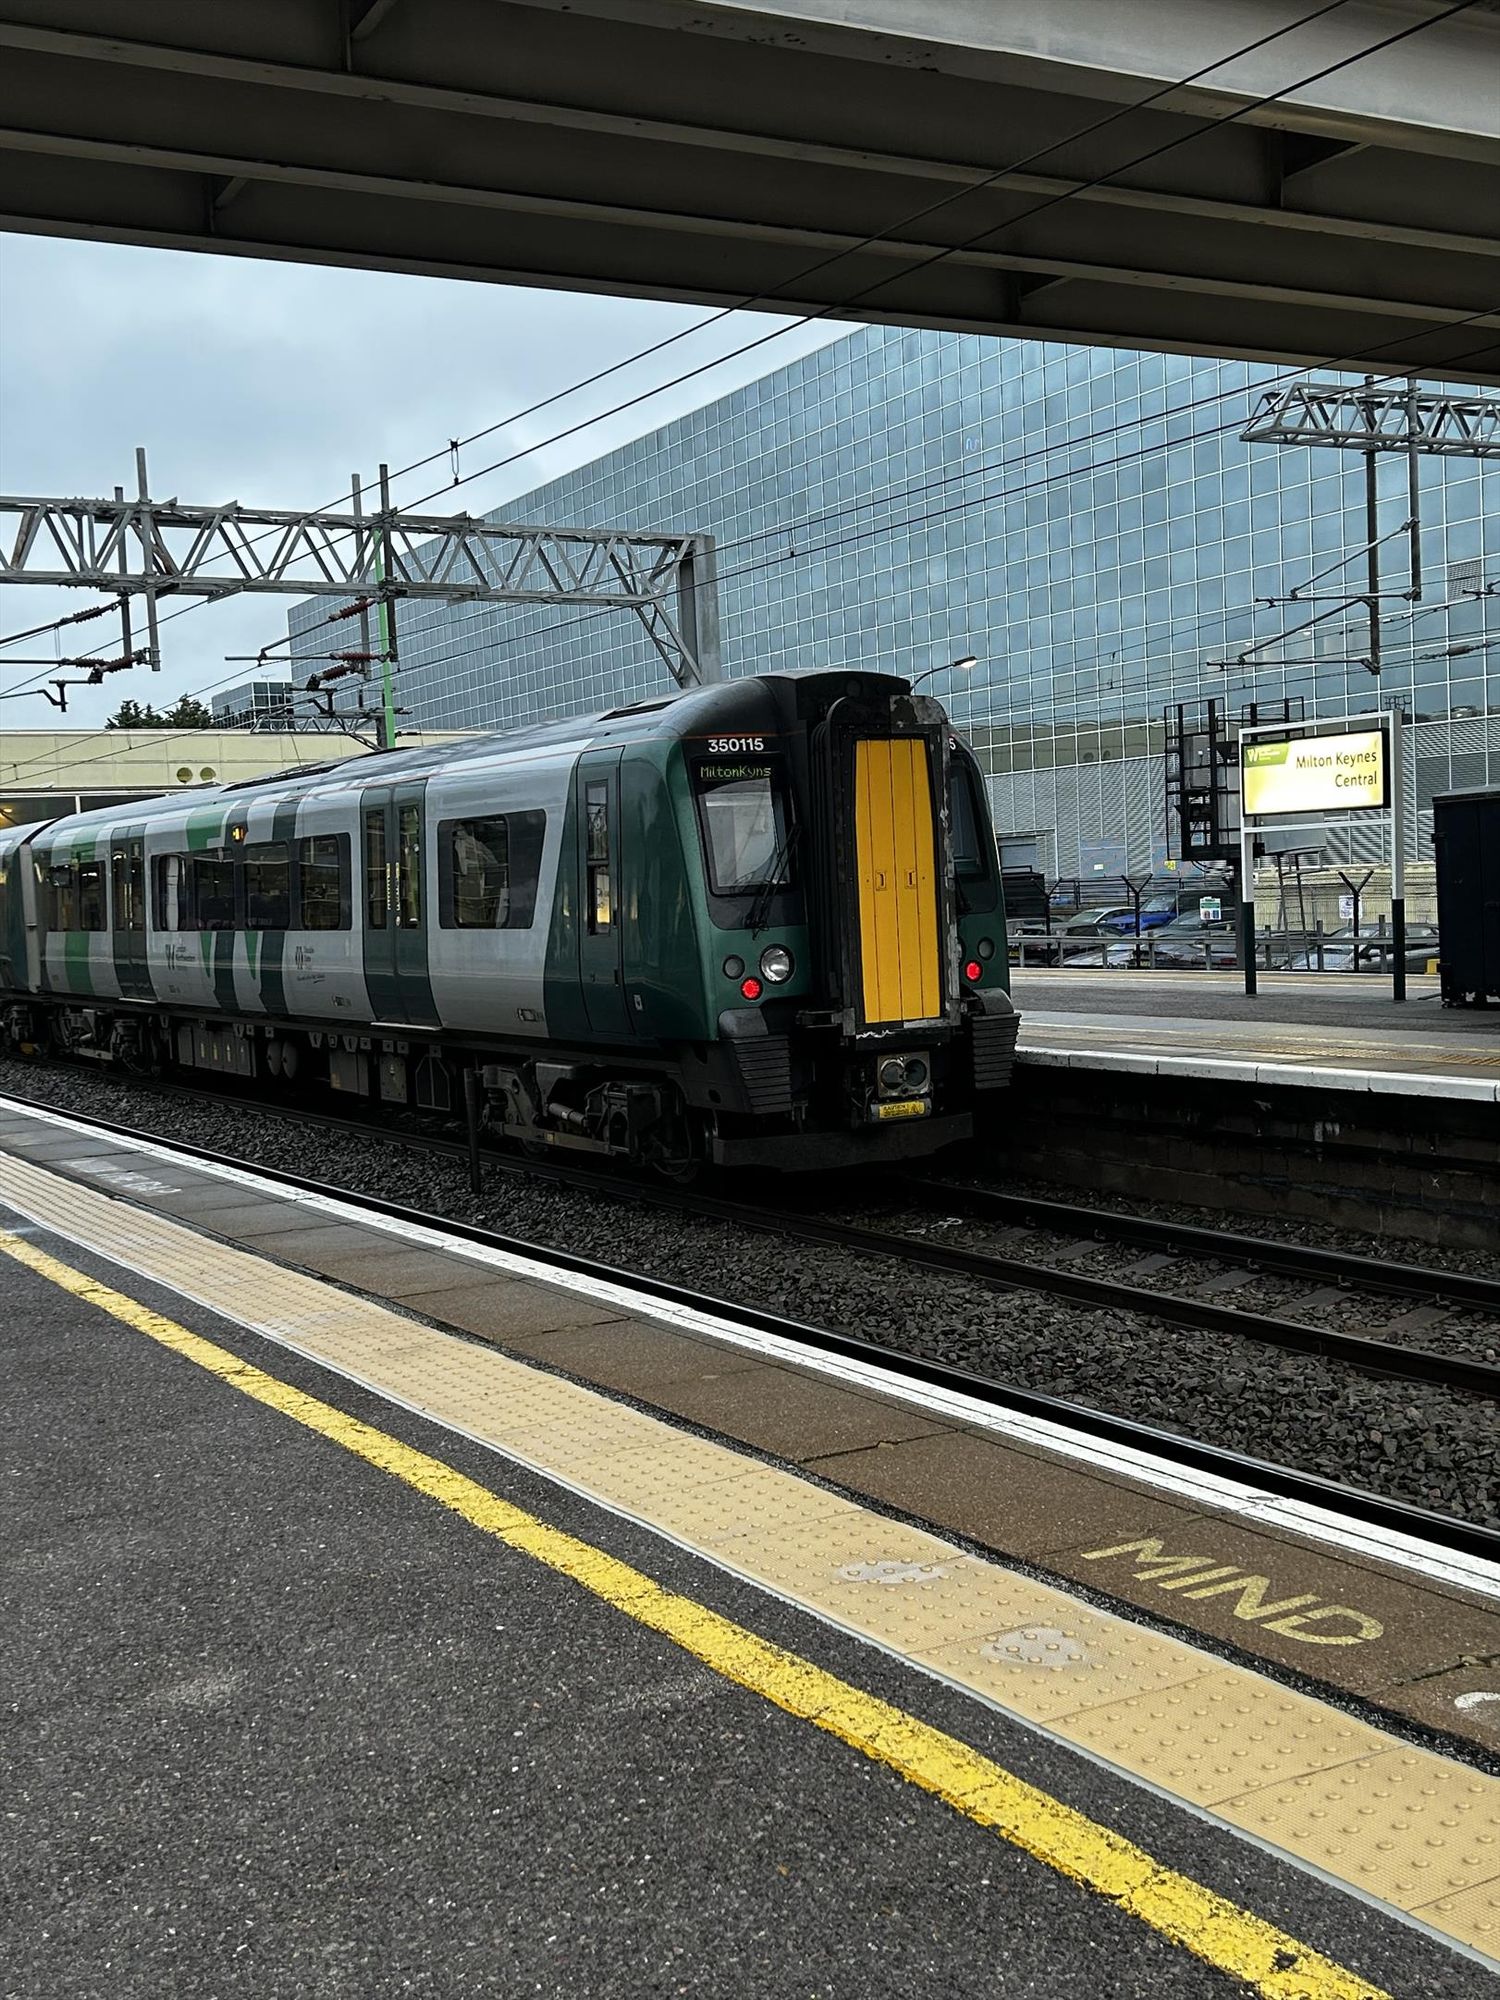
(681, 712)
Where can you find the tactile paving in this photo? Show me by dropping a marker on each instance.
(1407, 1826)
(1410, 1827)
(1225, 1734)
(1092, 1659)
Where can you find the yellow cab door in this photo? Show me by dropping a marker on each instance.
(896, 867)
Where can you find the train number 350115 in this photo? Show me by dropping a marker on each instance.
(718, 745)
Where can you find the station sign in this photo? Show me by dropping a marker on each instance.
(1315, 774)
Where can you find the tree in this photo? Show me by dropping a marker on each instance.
(187, 712)
(130, 715)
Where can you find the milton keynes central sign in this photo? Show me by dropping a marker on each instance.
(1315, 774)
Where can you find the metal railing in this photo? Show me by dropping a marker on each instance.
(1312, 951)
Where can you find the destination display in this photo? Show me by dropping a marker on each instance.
(1314, 774)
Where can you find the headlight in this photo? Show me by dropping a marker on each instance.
(775, 964)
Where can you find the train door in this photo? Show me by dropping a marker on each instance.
(896, 869)
(601, 971)
(127, 911)
(397, 903)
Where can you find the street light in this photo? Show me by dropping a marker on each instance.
(965, 664)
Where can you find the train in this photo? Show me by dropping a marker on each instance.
(758, 924)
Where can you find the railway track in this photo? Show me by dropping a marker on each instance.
(1323, 1273)
(1171, 1448)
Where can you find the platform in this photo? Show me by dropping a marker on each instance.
(608, 1651)
(1338, 1031)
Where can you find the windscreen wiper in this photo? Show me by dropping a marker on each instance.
(781, 861)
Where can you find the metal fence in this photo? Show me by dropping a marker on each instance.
(1310, 951)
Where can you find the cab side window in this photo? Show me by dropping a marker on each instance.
(600, 901)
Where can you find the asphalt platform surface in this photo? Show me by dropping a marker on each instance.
(278, 1725)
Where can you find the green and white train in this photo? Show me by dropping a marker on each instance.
(760, 923)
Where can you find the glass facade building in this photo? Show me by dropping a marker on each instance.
(1087, 523)
(256, 705)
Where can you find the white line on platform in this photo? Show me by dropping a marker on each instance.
(1247, 1069)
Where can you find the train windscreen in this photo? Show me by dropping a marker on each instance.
(742, 808)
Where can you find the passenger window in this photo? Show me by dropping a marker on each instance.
(600, 902)
(62, 898)
(321, 876)
(170, 888)
(213, 893)
(480, 850)
(377, 871)
(128, 885)
(409, 867)
(93, 912)
(268, 887)
(488, 871)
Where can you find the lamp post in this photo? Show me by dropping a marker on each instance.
(964, 664)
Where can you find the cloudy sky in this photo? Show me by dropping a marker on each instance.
(270, 383)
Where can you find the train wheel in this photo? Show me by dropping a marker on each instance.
(677, 1151)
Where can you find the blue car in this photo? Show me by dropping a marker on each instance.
(1153, 915)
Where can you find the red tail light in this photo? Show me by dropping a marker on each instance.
(973, 972)
(751, 987)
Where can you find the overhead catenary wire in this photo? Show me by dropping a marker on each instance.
(845, 251)
(1063, 473)
(55, 625)
(990, 230)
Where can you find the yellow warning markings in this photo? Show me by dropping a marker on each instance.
(1305, 1617)
(1178, 1909)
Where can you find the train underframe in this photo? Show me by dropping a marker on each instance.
(806, 1098)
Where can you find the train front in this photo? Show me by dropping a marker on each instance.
(866, 1009)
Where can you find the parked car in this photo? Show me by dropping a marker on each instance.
(1184, 942)
(1189, 941)
(1343, 952)
(1093, 923)
(1062, 946)
(1156, 913)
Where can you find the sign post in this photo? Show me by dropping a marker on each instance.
(1356, 768)
(1398, 859)
(1247, 902)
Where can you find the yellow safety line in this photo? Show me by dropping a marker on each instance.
(1180, 1910)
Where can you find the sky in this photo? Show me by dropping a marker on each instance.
(269, 383)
